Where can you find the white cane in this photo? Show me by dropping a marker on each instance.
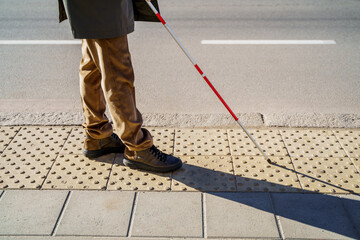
(204, 76)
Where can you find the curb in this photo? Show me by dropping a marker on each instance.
(183, 120)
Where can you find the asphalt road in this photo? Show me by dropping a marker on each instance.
(290, 85)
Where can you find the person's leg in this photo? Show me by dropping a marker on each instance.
(112, 58)
(96, 123)
(100, 139)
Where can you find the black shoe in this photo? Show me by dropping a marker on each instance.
(94, 148)
(151, 159)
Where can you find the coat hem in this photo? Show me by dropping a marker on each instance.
(103, 34)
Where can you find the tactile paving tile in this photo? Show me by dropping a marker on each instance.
(204, 173)
(24, 171)
(74, 143)
(38, 140)
(163, 139)
(6, 135)
(201, 142)
(269, 140)
(327, 175)
(79, 172)
(312, 143)
(125, 178)
(350, 140)
(255, 174)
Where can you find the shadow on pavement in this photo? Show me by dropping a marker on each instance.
(298, 212)
(302, 213)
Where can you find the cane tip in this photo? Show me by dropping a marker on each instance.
(269, 161)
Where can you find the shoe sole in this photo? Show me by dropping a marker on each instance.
(102, 152)
(138, 165)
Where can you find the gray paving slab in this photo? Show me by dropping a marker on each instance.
(168, 214)
(30, 211)
(352, 205)
(314, 216)
(247, 215)
(97, 213)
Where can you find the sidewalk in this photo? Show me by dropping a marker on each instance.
(225, 189)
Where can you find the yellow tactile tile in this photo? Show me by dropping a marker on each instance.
(6, 135)
(163, 139)
(254, 174)
(74, 143)
(125, 178)
(38, 140)
(312, 143)
(201, 142)
(204, 173)
(327, 175)
(269, 140)
(79, 172)
(25, 171)
(350, 140)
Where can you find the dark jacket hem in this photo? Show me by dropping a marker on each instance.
(103, 34)
(142, 12)
(62, 12)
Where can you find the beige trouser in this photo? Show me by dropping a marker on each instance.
(106, 76)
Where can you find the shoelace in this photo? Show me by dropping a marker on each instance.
(158, 154)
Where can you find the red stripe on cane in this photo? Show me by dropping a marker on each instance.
(160, 18)
(199, 70)
(221, 99)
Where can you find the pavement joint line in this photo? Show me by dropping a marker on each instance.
(132, 215)
(233, 167)
(232, 160)
(2, 195)
(343, 148)
(111, 168)
(66, 203)
(171, 180)
(42, 184)
(12, 139)
(277, 219)
(230, 148)
(173, 145)
(292, 162)
(173, 153)
(347, 153)
(203, 208)
(349, 215)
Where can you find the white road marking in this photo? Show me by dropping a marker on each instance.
(40, 42)
(268, 42)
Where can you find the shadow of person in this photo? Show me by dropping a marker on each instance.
(274, 189)
(233, 183)
(106, 159)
